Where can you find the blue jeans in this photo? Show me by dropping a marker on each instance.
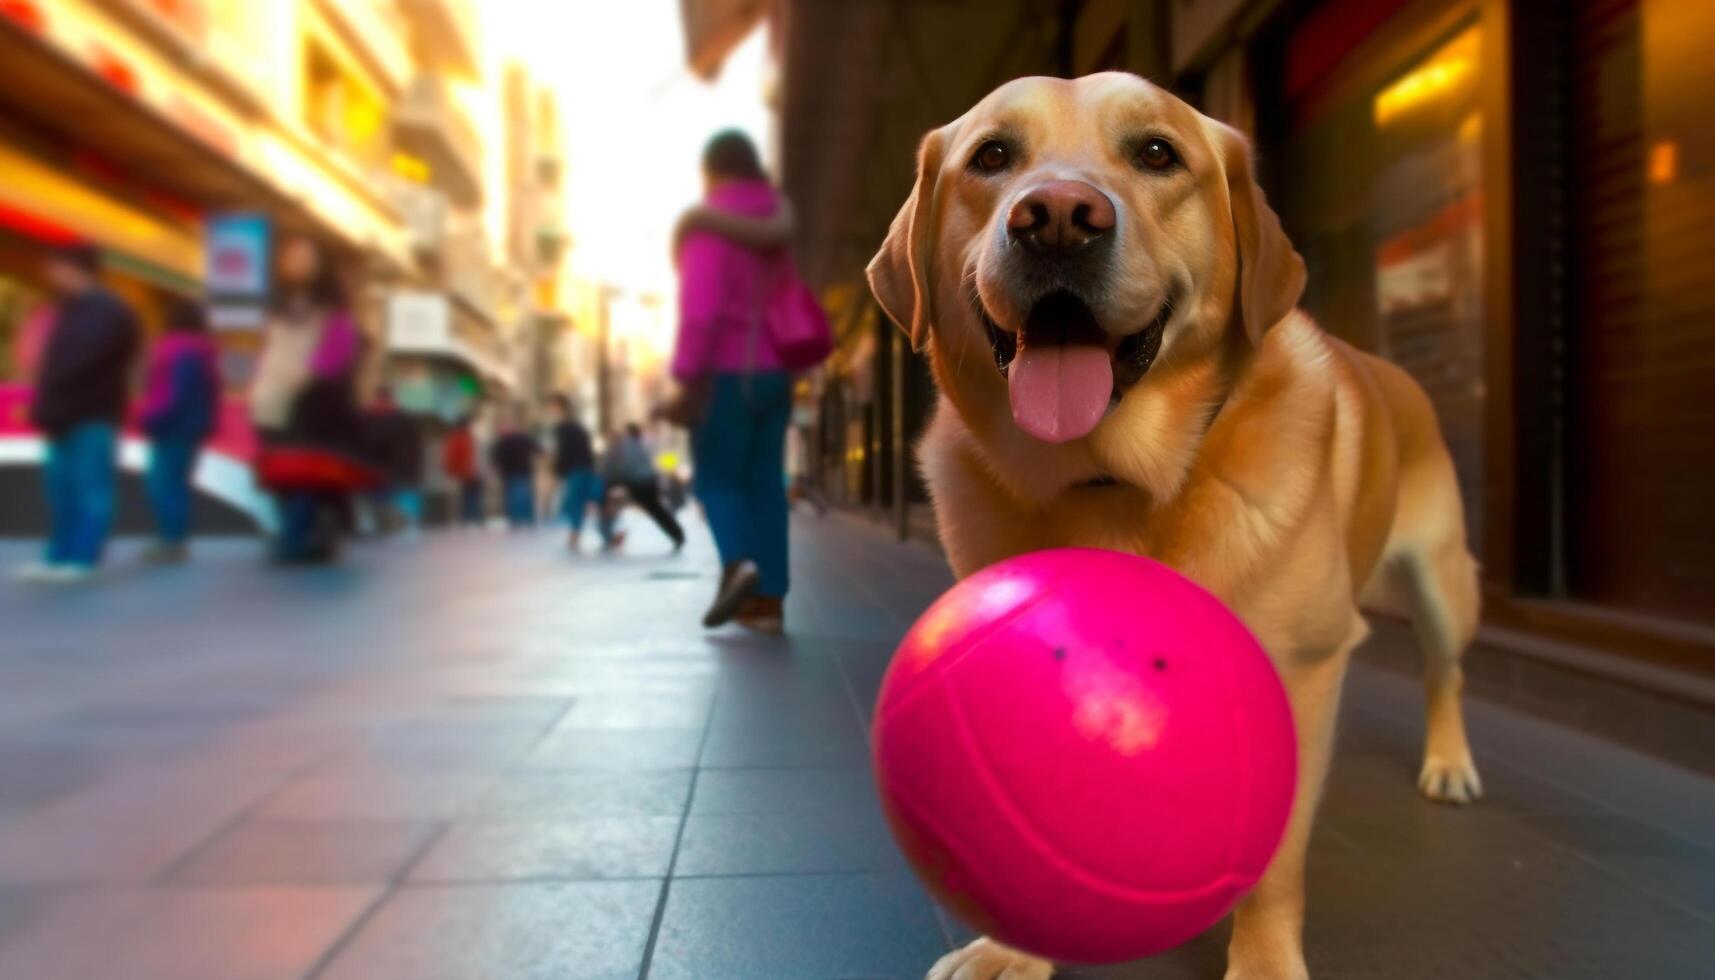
(581, 488)
(172, 460)
(304, 525)
(80, 476)
(520, 493)
(470, 501)
(739, 450)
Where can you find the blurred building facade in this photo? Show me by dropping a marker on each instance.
(1510, 198)
(446, 343)
(162, 130)
(535, 239)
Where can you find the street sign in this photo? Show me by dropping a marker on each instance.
(236, 247)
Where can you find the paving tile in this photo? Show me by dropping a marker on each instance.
(1538, 916)
(626, 751)
(276, 933)
(264, 851)
(832, 740)
(74, 935)
(634, 712)
(531, 712)
(1686, 878)
(561, 931)
(801, 927)
(257, 733)
(445, 743)
(127, 827)
(788, 842)
(34, 770)
(605, 847)
(369, 791)
(799, 791)
(587, 793)
(18, 903)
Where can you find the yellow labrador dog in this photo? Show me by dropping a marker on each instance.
(1109, 305)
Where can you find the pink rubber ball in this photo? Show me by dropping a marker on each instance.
(1084, 755)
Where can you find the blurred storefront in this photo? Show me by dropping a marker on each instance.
(157, 128)
(138, 124)
(1509, 198)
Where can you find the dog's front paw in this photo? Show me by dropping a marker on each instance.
(1450, 780)
(986, 959)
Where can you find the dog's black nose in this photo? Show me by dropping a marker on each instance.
(1060, 216)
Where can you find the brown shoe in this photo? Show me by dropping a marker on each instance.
(763, 614)
(738, 581)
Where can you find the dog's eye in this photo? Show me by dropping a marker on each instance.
(992, 155)
(1156, 153)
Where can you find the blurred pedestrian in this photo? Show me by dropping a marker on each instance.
(800, 485)
(79, 403)
(305, 389)
(514, 455)
(574, 466)
(180, 400)
(629, 466)
(399, 445)
(736, 395)
(458, 459)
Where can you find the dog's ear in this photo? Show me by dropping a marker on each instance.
(899, 273)
(1271, 273)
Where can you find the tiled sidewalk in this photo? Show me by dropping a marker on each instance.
(472, 756)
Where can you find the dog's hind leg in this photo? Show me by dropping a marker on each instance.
(1442, 587)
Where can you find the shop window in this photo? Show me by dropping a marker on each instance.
(1641, 428)
(1381, 191)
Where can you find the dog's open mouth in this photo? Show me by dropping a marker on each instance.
(1063, 370)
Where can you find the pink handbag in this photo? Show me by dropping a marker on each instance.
(798, 326)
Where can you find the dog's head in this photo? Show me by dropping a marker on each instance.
(1082, 232)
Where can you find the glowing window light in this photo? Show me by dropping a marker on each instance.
(414, 169)
(1663, 162)
(1445, 71)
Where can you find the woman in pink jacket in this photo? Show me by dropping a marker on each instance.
(736, 396)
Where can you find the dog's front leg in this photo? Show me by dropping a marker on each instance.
(1268, 926)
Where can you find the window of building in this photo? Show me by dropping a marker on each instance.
(1380, 188)
(341, 110)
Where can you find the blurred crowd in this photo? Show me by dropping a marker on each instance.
(304, 406)
(336, 464)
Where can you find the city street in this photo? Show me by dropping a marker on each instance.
(471, 755)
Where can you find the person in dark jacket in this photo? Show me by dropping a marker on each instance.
(79, 403)
(180, 400)
(514, 457)
(398, 445)
(628, 465)
(574, 466)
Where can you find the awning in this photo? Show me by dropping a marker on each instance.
(185, 153)
(714, 27)
(428, 324)
(33, 190)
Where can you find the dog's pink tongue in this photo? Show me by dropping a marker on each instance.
(1059, 391)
